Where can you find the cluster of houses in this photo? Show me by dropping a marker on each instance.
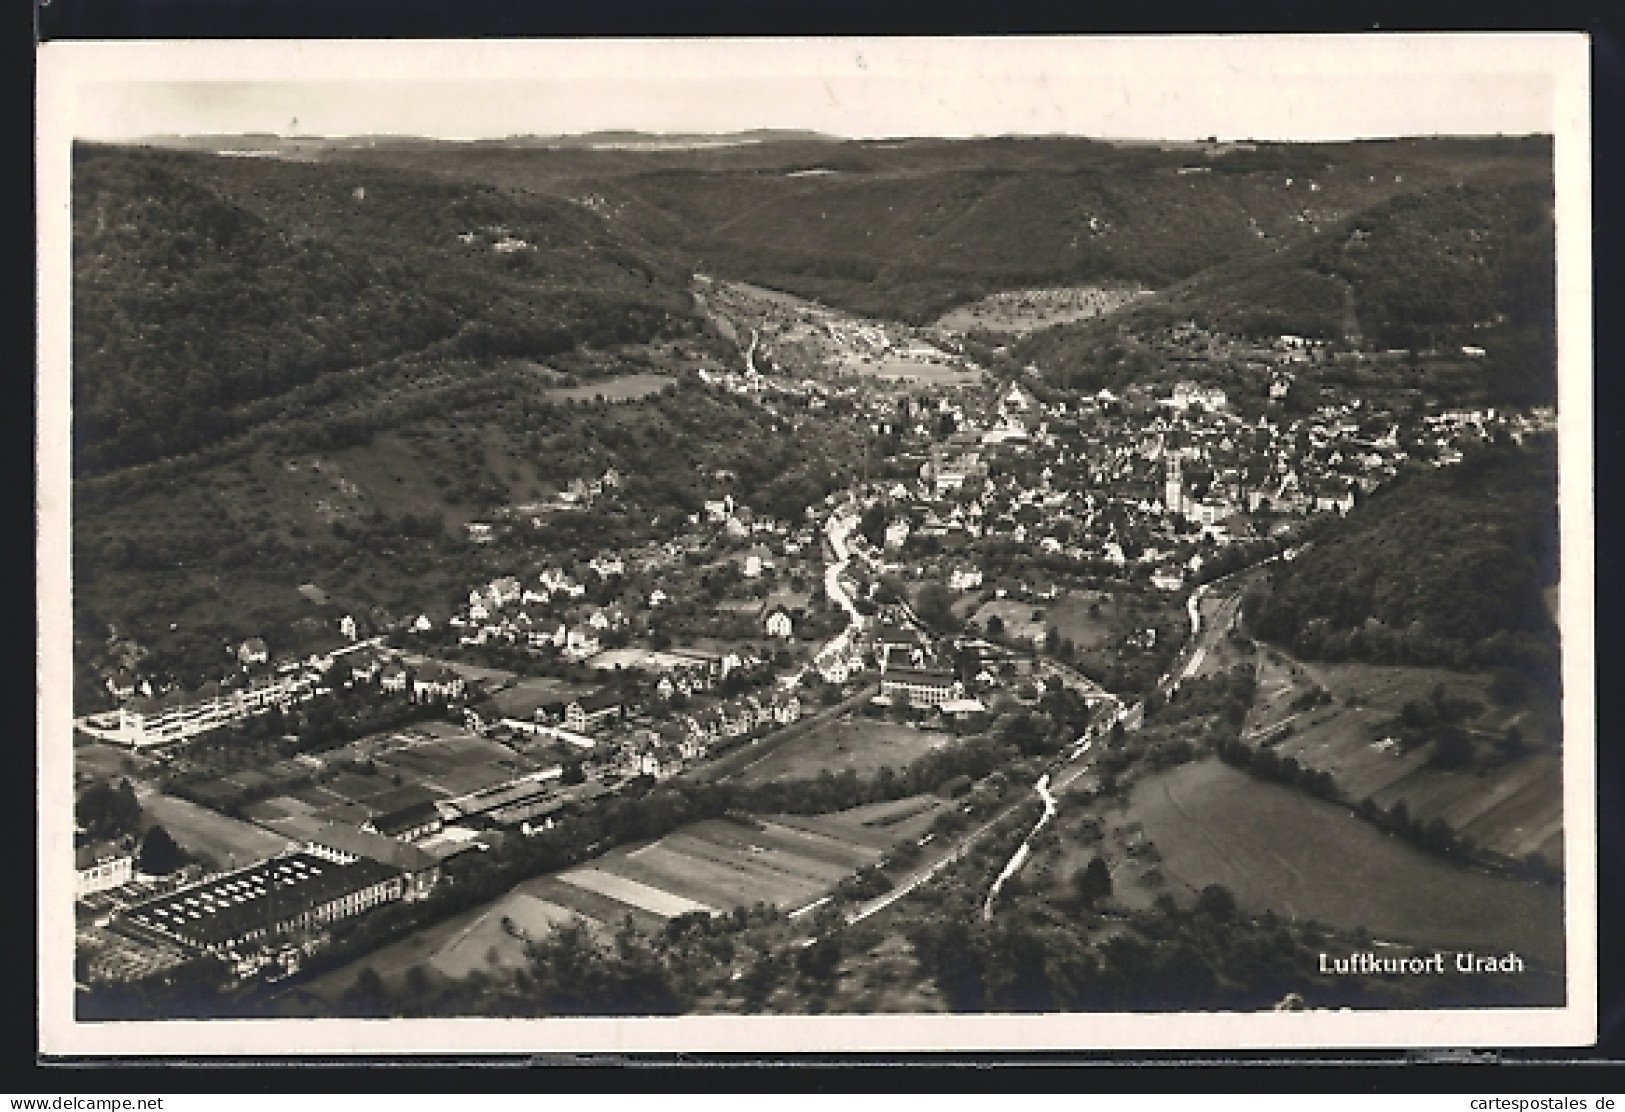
(501, 611)
(146, 721)
(1152, 481)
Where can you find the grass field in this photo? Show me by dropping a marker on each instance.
(96, 761)
(1018, 619)
(656, 901)
(1513, 808)
(1279, 849)
(1070, 615)
(523, 695)
(497, 938)
(863, 745)
(620, 389)
(199, 830)
(875, 827)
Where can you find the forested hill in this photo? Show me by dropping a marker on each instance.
(908, 228)
(202, 283)
(1442, 567)
(1468, 263)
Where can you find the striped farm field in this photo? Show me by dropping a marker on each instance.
(715, 866)
(645, 896)
(720, 885)
(762, 852)
(830, 829)
(829, 851)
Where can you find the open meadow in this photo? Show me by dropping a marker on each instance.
(855, 743)
(1282, 850)
(1509, 807)
(1082, 617)
(202, 831)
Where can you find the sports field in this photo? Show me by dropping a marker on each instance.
(1280, 849)
(863, 745)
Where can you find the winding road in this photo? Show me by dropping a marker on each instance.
(838, 528)
(1194, 653)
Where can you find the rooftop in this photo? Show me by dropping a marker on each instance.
(271, 892)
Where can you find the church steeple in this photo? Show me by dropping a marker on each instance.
(1173, 497)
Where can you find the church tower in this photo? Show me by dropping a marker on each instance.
(1173, 496)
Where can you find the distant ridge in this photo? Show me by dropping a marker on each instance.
(646, 140)
(596, 140)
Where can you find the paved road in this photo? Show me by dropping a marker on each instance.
(838, 528)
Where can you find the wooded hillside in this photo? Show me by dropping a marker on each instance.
(201, 283)
(1442, 567)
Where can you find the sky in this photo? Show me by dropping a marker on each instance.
(1282, 87)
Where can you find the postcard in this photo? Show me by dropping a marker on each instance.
(838, 545)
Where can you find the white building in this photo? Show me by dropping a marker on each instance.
(101, 867)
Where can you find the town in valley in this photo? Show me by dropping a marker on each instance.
(801, 575)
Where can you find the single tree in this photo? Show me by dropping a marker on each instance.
(1093, 882)
(159, 855)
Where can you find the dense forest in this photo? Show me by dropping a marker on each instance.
(907, 229)
(1436, 269)
(1443, 567)
(202, 283)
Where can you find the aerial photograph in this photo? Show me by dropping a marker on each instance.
(628, 569)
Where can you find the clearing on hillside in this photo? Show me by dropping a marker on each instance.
(1023, 311)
